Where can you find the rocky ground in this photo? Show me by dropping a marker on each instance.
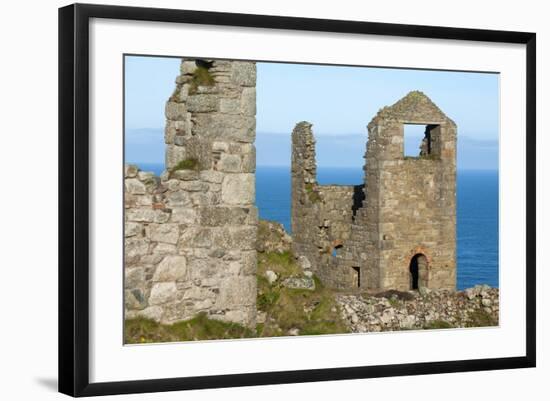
(292, 301)
(425, 309)
(371, 312)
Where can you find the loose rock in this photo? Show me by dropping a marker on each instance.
(390, 310)
(299, 283)
(271, 276)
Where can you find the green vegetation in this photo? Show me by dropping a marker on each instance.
(264, 229)
(141, 330)
(480, 318)
(311, 312)
(282, 264)
(267, 299)
(415, 95)
(438, 324)
(187, 164)
(201, 77)
(393, 302)
(312, 193)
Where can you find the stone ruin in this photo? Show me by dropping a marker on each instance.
(190, 234)
(397, 230)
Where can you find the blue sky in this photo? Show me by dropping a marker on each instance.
(339, 101)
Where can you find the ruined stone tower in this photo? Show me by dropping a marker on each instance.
(398, 231)
(190, 235)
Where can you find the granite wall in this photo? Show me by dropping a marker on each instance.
(191, 233)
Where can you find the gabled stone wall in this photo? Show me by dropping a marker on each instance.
(411, 201)
(191, 234)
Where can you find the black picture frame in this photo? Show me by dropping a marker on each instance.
(74, 198)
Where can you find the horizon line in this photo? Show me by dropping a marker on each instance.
(322, 166)
(274, 133)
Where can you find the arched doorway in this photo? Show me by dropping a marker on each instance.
(418, 268)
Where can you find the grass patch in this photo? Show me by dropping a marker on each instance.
(438, 324)
(187, 164)
(393, 302)
(201, 77)
(267, 299)
(312, 193)
(480, 318)
(281, 263)
(142, 331)
(311, 312)
(263, 229)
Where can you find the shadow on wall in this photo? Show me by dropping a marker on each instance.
(358, 198)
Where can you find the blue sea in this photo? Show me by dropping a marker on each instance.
(477, 213)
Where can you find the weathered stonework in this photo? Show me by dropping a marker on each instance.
(321, 215)
(398, 230)
(190, 235)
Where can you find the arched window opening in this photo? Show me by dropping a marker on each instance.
(336, 250)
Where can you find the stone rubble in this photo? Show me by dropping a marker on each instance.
(272, 237)
(395, 310)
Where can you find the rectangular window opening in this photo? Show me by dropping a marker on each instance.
(356, 277)
(419, 140)
(413, 139)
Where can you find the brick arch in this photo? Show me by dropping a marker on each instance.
(419, 268)
(419, 250)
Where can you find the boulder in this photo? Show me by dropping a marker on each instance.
(271, 276)
(299, 283)
(294, 331)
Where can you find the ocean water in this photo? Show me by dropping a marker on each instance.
(477, 213)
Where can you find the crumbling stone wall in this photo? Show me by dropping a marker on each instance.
(191, 234)
(305, 199)
(407, 207)
(321, 214)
